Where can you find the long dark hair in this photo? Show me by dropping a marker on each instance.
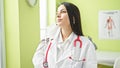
(74, 17)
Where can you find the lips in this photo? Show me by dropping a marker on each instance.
(59, 20)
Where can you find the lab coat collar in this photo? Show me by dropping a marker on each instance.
(60, 40)
(55, 38)
(54, 42)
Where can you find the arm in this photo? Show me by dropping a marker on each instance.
(91, 60)
(40, 54)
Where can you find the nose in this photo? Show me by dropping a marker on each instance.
(58, 14)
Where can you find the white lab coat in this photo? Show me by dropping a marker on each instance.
(87, 51)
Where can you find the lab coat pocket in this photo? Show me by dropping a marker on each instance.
(71, 63)
(68, 63)
(78, 64)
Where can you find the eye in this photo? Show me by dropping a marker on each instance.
(63, 11)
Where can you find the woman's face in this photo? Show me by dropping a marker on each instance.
(62, 17)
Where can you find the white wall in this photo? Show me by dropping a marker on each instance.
(2, 45)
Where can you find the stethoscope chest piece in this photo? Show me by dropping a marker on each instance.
(45, 64)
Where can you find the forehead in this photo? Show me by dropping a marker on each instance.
(61, 7)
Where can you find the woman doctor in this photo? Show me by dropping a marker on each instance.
(66, 47)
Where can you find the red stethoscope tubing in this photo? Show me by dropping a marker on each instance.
(78, 39)
(45, 63)
(48, 50)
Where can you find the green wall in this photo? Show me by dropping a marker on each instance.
(12, 34)
(21, 33)
(89, 15)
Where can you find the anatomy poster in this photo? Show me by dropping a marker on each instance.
(109, 24)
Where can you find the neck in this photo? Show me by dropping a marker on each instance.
(65, 33)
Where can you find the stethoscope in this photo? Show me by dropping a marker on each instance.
(45, 63)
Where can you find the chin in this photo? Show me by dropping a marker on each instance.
(58, 25)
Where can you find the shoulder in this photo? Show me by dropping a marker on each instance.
(82, 38)
(86, 40)
(89, 42)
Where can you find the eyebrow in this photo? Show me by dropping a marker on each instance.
(61, 10)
